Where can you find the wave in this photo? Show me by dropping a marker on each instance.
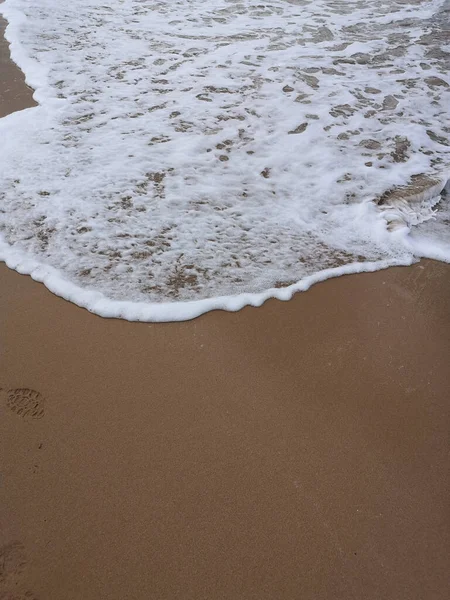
(199, 155)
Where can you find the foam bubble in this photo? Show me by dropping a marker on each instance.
(198, 155)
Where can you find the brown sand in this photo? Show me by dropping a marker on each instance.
(14, 94)
(295, 451)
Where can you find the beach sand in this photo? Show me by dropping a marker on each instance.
(294, 451)
(14, 93)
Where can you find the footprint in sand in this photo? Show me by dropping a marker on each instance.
(12, 563)
(26, 403)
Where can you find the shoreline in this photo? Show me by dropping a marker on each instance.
(295, 450)
(14, 93)
(67, 286)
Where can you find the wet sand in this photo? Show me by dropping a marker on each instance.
(294, 451)
(14, 93)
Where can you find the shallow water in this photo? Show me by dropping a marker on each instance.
(194, 150)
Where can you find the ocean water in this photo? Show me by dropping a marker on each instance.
(198, 154)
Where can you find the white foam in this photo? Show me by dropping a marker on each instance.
(168, 169)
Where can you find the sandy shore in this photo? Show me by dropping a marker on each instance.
(14, 94)
(295, 451)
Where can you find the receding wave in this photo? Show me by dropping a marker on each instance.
(203, 154)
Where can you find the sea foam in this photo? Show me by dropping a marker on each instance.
(202, 154)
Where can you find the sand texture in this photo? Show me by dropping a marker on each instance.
(295, 451)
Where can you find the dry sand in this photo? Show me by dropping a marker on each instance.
(295, 451)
